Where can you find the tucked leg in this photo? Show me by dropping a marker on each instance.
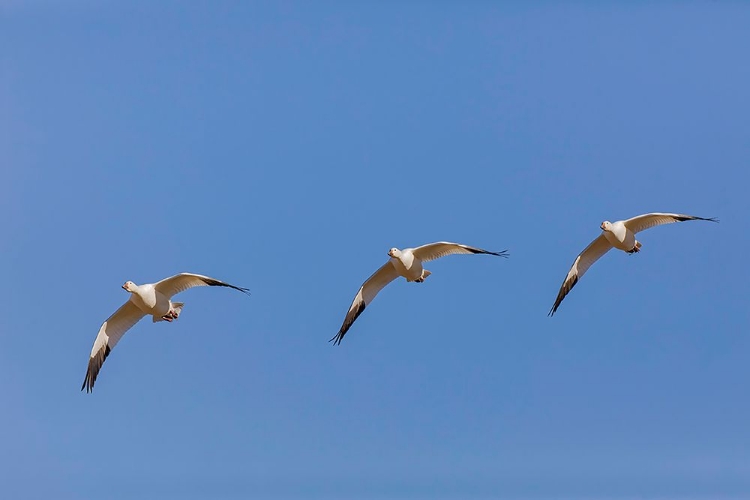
(170, 316)
(636, 248)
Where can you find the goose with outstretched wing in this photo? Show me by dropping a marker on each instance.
(619, 235)
(154, 299)
(406, 263)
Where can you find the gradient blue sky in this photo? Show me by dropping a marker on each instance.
(285, 147)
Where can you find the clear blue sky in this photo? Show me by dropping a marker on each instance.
(285, 147)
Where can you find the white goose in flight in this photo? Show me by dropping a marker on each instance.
(619, 235)
(406, 263)
(149, 299)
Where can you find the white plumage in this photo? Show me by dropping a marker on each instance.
(406, 263)
(150, 299)
(619, 235)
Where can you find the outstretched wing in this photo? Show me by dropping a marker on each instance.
(433, 251)
(110, 333)
(365, 295)
(585, 259)
(181, 282)
(647, 221)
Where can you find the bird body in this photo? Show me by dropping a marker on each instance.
(407, 265)
(619, 236)
(150, 301)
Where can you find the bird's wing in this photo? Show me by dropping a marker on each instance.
(433, 251)
(365, 295)
(585, 259)
(181, 282)
(646, 221)
(109, 334)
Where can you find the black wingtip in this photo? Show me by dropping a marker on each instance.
(337, 338)
(95, 364)
(692, 217)
(561, 295)
(213, 282)
(246, 291)
(502, 253)
(348, 322)
(554, 309)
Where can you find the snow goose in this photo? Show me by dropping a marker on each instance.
(151, 299)
(619, 235)
(406, 263)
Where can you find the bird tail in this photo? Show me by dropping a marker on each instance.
(177, 306)
(425, 273)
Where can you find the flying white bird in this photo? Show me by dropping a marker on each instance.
(619, 235)
(406, 263)
(151, 299)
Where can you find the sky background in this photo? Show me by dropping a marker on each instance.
(285, 147)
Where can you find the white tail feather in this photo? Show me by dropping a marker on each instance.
(177, 308)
